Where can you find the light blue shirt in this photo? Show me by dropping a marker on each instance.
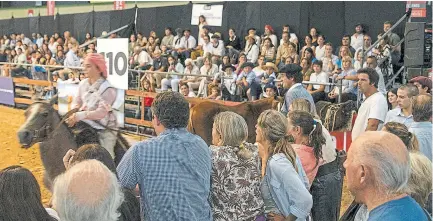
(288, 188)
(423, 132)
(173, 171)
(295, 92)
(250, 77)
(348, 84)
(395, 115)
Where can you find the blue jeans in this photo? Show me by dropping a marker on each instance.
(327, 192)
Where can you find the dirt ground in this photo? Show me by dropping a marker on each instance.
(11, 152)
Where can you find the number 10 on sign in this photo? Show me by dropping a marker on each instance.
(115, 52)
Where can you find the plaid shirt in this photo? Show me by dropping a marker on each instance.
(173, 172)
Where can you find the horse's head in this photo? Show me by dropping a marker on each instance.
(38, 124)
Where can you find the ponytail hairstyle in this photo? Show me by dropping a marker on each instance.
(409, 139)
(310, 128)
(274, 126)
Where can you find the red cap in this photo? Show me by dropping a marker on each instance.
(270, 28)
(424, 81)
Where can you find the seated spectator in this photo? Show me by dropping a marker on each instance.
(423, 84)
(21, 196)
(313, 34)
(251, 50)
(247, 81)
(309, 54)
(186, 91)
(308, 141)
(233, 45)
(167, 40)
(422, 126)
(87, 191)
(204, 47)
(306, 69)
(187, 44)
(372, 112)
(228, 85)
(308, 42)
(320, 48)
(318, 91)
(283, 50)
(242, 60)
(215, 93)
(378, 168)
(159, 64)
(270, 74)
(284, 186)
(268, 50)
(329, 60)
(229, 133)
(270, 91)
(173, 67)
(140, 60)
(358, 59)
(403, 113)
(292, 80)
(217, 49)
(403, 133)
(260, 69)
(391, 97)
(349, 90)
(151, 45)
(141, 40)
(225, 62)
(190, 68)
(52, 45)
(343, 52)
(60, 58)
(209, 70)
(345, 41)
(81, 77)
(72, 79)
(176, 164)
(176, 41)
(269, 33)
(253, 33)
(357, 39)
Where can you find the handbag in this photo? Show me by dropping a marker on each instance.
(351, 212)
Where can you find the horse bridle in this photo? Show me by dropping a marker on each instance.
(43, 131)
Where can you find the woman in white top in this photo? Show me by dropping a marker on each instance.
(226, 61)
(173, 67)
(320, 48)
(52, 45)
(258, 70)
(210, 70)
(252, 50)
(201, 23)
(269, 33)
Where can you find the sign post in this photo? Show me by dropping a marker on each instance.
(418, 8)
(50, 7)
(115, 52)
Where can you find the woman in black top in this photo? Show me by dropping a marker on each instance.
(233, 45)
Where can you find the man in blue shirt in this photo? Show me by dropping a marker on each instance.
(247, 80)
(173, 169)
(403, 113)
(377, 170)
(422, 125)
(292, 79)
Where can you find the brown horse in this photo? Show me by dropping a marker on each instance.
(202, 116)
(44, 125)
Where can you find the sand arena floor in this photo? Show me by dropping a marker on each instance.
(11, 152)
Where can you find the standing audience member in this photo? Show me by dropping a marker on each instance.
(284, 186)
(20, 197)
(234, 162)
(424, 84)
(308, 141)
(422, 125)
(377, 170)
(403, 113)
(372, 113)
(409, 139)
(392, 99)
(357, 39)
(87, 191)
(292, 80)
(172, 170)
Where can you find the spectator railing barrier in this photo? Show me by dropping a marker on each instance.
(405, 16)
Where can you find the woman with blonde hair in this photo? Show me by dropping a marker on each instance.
(420, 181)
(234, 163)
(408, 138)
(284, 185)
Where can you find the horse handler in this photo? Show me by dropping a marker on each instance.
(94, 101)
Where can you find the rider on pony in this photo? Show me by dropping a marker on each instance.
(94, 101)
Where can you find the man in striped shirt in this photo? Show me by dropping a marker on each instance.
(173, 169)
(292, 79)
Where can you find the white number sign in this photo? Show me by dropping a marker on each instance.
(115, 52)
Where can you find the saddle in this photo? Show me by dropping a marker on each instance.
(336, 117)
(84, 134)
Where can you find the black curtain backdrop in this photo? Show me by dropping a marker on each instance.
(333, 19)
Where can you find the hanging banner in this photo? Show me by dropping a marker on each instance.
(7, 91)
(51, 5)
(418, 8)
(119, 5)
(212, 13)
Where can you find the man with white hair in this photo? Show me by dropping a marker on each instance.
(377, 170)
(88, 191)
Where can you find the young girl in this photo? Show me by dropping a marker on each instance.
(147, 87)
(215, 93)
